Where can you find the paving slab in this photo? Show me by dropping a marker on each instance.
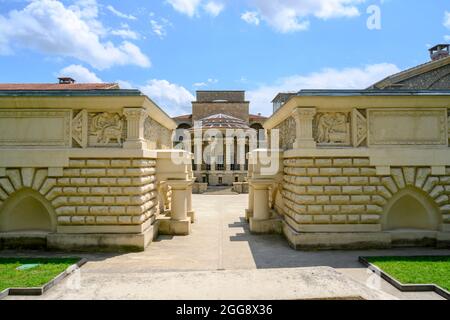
(264, 284)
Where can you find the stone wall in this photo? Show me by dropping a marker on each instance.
(238, 110)
(106, 192)
(347, 191)
(210, 96)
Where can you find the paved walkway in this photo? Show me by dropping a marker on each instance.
(221, 258)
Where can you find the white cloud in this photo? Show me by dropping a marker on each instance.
(191, 7)
(206, 83)
(158, 29)
(173, 98)
(447, 19)
(188, 7)
(251, 17)
(213, 8)
(125, 32)
(292, 15)
(120, 14)
(349, 78)
(46, 25)
(80, 74)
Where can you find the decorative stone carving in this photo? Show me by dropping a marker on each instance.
(359, 123)
(104, 128)
(286, 128)
(332, 128)
(157, 135)
(80, 128)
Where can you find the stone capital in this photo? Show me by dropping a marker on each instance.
(304, 127)
(135, 127)
(304, 113)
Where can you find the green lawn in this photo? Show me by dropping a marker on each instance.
(46, 270)
(416, 270)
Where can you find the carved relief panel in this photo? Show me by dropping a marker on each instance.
(332, 128)
(359, 128)
(287, 130)
(106, 129)
(80, 129)
(158, 136)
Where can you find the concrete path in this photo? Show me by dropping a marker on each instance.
(221, 255)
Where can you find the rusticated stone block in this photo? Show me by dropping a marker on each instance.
(342, 162)
(339, 219)
(332, 190)
(106, 220)
(323, 162)
(96, 163)
(350, 171)
(121, 163)
(313, 171)
(322, 219)
(359, 181)
(361, 162)
(77, 163)
(303, 218)
(353, 208)
(99, 210)
(339, 180)
(330, 171)
(314, 209)
(352, 189)
(341, 199)
(370, 218)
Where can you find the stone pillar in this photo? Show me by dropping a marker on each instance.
(262, 220)
(180, 223)
(261, 201)
(229, 145)
(135, 128)
(249, 211)
(190, 211)
(304, 127)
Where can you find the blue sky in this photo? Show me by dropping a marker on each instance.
(170, 48)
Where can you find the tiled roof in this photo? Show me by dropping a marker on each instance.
(57, 86)
(183, 117)
(257, 116)
(224, 121)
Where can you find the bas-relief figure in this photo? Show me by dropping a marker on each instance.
(106, 127)
(333, 128)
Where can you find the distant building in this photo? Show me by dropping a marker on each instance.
(221, 110)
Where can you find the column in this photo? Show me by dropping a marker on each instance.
(304, 127)
(135, 128)
(261, 209)
(179, 199)
(229, 145)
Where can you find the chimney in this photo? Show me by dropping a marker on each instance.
(66, 80)
(439, 52)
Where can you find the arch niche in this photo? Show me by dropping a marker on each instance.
(411, 209)
(27, 211)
